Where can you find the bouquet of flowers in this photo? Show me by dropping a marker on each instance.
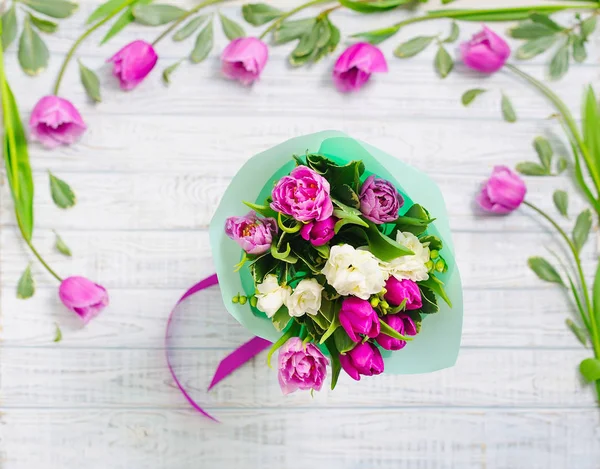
(338, 260)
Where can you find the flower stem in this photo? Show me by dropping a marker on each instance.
(275, 24)
(183, 17)
(38, 255)
(82, 38)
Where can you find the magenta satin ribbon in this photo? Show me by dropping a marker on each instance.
(229, 364)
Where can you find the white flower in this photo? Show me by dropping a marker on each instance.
(354, 272)
(410, 267)
(270, 295)
(306, 298)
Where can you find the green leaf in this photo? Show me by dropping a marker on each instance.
(281, 318)
(535, 47)
(393, 333)
(9, 27)
(561, 201)
(544, 151)
(26, 285)
(531, 169)
(454, 33)
(335, 362)
(57, 334)
(190, 28)
(582, 228)
(588, 26)
(166, 74)
(90, 82)
(264, 210)
(373, 6)
(46, 26)
(342, 341)
(559, 65)
(125, 19)
(496, 14)
(578, 331)
(443, 62)
(596, 294)
(590, 117)
(33, 53)
(590, 369)
(469, 95)
(292, 331)
(562, 165)
(291, 30)
(415, 221)
(62, 194)
(52, 8)
(382, 246)
(508, 112)
(413, 46)
(258, 14)
(105, 9)
(203, 45)
(579, 52)
(347, 215)
(231, 29)
(61, 246)
(436, 286)
(377, 36)
(540, 18)
(156, 15)
(530, 30)
(544, 270)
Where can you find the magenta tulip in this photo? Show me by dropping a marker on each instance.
(253, 234)
(503, 192)
(301, 366)
(358, 317)
(319, 232)
(397, 291)
(486, 52)
(244, 59)
(82, 296)
(55, 121)
(364, 359)
(401, 323)
(355, 66)
(133, 63)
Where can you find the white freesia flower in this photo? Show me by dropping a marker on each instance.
(306, 298)
(270, 295)
(410, 267)
(354, 272)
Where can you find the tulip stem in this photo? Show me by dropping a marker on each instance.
(275, 24)
(183, 17)
(82, 38)
(37, 254)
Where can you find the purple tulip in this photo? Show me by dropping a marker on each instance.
(319, 232)
(364, 359)
(83, 297)
(133, 63)
(303, 195)
(301, 366)
(358, 317)
(401, 323)
(400, 290)
(380, 200)
(55, 121)
(244, 59)
(486, 52)
(503, 192)
(253, 234)
(355, 66)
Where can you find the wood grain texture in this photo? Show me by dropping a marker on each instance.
(148, 173)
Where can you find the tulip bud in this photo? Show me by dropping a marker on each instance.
(82, 296)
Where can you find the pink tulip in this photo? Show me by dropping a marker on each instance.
(82, 296)
(486, 52)
(55, 121)
(244, 59)
(133, 63)
(503, 192)
(301, 366)
(355, 66)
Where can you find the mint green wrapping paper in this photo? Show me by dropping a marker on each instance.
(437, 345)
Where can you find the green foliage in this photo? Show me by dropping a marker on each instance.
(190, 28)
(443, 62)
(90, 82)
(61, 246)
(62, 194)
(258, 14)
(315, 43)
(33, 52)
(231, 29)
(52, 8)
(291, 30)
(156, 15)
(415, 221)
(26, 285)
(166, 74)
(469, 96)
(9, 27)
(577, 331)
(413, 46)
(561, 202)
(343, 343)
(373, 6)
(43, 25)
(508, 111)
(377, 36)
(590, 369)
(203, 45)
(582, 228)
(544, 270)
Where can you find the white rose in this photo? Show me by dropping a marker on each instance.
(410, 267)
(270, 295)
(354, 272)
(306, 298)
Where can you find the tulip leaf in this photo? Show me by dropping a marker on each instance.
(377, 36)
(508, 112)
(123, 20)
(281, 318)
(578, 46)
(61, 246)
(46, 26)
(166, 74)
(291, 30)
(582, 228)
(190, 28)
(33, 53)
(454, 33)
(26, 285)
(204, 44)
(342, 341)
(436, 286)
(156, 15)
(562, 165)
(544, 270)
(258, 14)
(90, 82)
(62, 194)
(393, 333)
(52, 8)
(578, 331)
(9, 27)
(373, 6)
(528, 168)
(544, 151)
(231, 29)
(531, 30)
(535, 47)
(596, 294)
(336, 366)
(561, 201)
(105, 9)
(413, 46)
(57, 334)
(540, 18)
(559, 65)
(443, 62)
(469, 96)
(588, 26)
(590, 369)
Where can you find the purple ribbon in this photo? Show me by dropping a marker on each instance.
(229, 364)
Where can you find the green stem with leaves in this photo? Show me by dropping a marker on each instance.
(80, 40)
(275, 24)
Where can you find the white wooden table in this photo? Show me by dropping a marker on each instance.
(148, 175)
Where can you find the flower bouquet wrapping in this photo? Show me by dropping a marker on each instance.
(340, 255)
